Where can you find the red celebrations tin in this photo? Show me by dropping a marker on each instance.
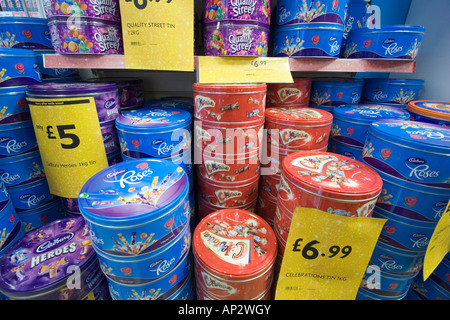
(234, 252)
(326, 181)
(229, 102)
(289, 94)
(298, 128)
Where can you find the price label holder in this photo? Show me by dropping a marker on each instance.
(70, 142)
(439, 244)
(215, 69)
(326, 255)
(158, 34)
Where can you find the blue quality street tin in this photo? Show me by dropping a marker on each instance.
(411, 200)
(21, 169)
(25, 33)
(31, 195)
(135, 206)
(308, 40)
(410, 150)
(154, 132)
(396, 261)
(158, 289)
(311, 11)
(147, 267)
(38, 216)
(350, 122)
(18, 67)
(393, 91)
(404, 233)
(13, 105)
(327, 93)
(387, 42)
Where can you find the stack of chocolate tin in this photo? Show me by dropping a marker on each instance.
(289, 129)
(228, 129)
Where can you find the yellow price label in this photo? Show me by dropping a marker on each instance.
(326, 255)
(215, 69)
(70, 142)
(158, 35)
(439, 244)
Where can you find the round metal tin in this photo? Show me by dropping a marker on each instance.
(154, 132)
(38, 265)
(39, 216)
(134, 206)
(329, 182)
(409, 150)
(236, 247)
(394, 91)
(333, 92)
(351, 122)
(230, 102)
(298, 128)
(24, 168)
(431, 111)
(289, 94)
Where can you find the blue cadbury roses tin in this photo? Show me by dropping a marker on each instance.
(397, 261)
(21, 169)
(25, 33)
(10, 225)
(389, 286)
(308, 40)
(412, 201)
(158, 289)
(387, 42)
(404, 233)
(136, 206)
(154, 132)
(345, 149)
(393, 91)
(327, 93)
(17, 138)
(31, 195)
(311, 11)
(51, 72)
(350, 122)
(38, 216)
(146, 267)
(13, 105)
(410, 150)
(18, 67)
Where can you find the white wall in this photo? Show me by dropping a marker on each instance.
(433, 60)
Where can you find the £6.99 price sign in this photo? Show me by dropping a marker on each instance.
(326, 255)
(70, 142)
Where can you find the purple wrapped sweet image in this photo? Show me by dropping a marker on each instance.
(236, 38)
(256, 10)
(85, 35)
(102, 9)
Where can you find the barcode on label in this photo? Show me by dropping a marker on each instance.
(135, 43)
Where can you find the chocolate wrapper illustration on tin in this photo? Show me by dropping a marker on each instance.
(255, 10)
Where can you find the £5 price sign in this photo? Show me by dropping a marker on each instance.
(70, 142)
(326, 255)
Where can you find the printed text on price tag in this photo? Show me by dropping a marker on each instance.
(212, 69)
(326, 255)
(70, 142)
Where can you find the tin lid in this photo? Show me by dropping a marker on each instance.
(229, 88)
(69, 88)
(392, 28)
(311, 26)
(413, 134)
(235, 243)
(13, 52)
(45, 257)
(298, 116)
(331, 175)
(368, 113)
(153, 119)
(83, 20)
(236, 23)
(13, 90)
(26, 20)
(389, 81)
(429, 108)
(133, 191)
